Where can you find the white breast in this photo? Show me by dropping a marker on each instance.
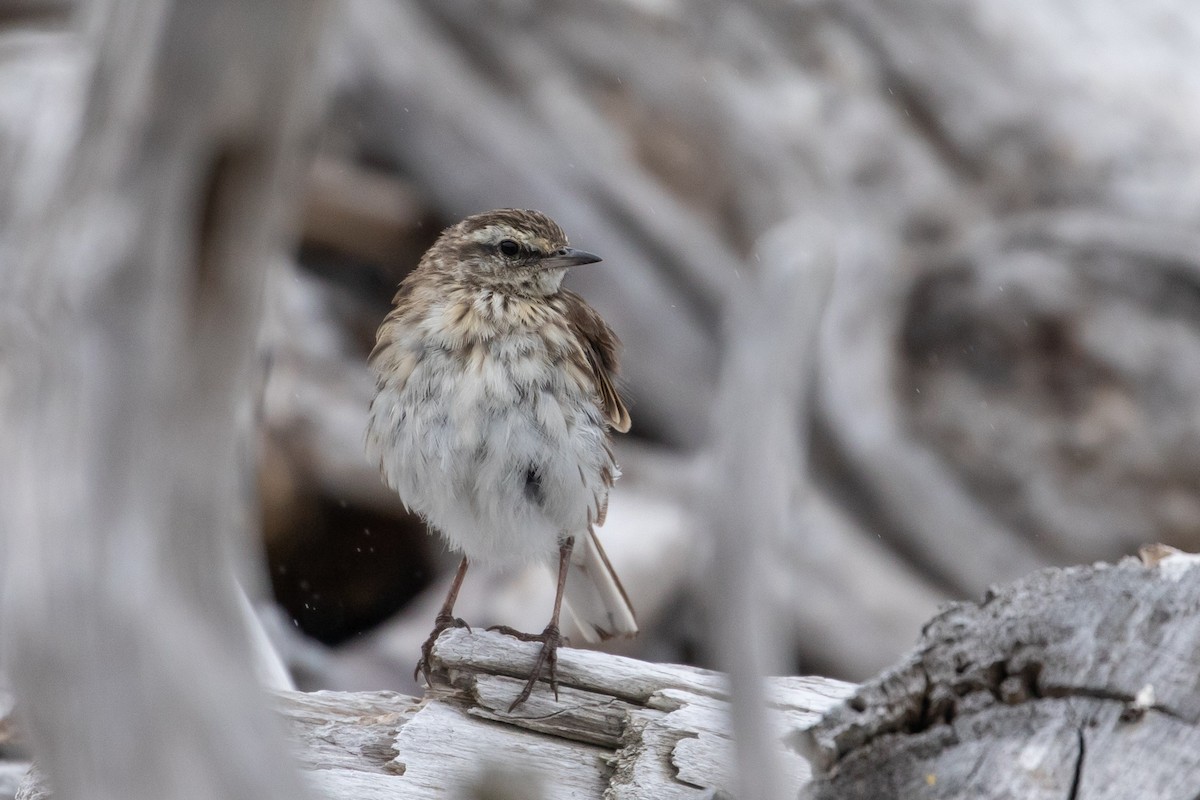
(461, 439)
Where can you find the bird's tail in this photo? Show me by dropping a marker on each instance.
(594, 594)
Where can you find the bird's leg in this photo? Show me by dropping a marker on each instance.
(445, 619)
(550, 637)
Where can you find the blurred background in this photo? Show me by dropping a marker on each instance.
(909, 296)
(984, 215)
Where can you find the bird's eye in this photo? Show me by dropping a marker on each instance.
(509, 248)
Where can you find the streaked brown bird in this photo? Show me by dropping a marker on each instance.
(496, 398)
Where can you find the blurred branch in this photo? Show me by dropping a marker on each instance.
(132, 295)
(36, 13)
(759, 441)
(923, 506)
(805, 571)
(362, 213)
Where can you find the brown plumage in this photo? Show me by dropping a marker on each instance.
(496, 396)
(600, 348)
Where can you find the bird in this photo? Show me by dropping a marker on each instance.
(496, 398)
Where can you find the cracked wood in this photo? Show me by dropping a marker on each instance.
(1075, 682)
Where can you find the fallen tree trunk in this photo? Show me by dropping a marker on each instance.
(1070, 683)
(620, 728)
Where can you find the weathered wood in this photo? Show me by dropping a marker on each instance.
(667, 727)
(760, 471)
(11, 775)
(1026, 678)
(920, 501)
(620, 729)
(1012, 108)
(133, 245)
(1071, 683)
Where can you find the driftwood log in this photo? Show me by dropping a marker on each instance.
(1071, 683)
(620, 729)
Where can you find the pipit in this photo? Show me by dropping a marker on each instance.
(495, 400)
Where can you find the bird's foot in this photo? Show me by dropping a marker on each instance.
(529, 637)
(547, 659)
(443, 622)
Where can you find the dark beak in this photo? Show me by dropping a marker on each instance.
(568, 257)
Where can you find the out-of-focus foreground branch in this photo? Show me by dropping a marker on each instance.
(150, 157)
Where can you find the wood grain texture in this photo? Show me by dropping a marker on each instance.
(666, 727)
(620, 729)
(1070, 683)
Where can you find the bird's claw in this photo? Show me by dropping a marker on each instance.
(529, 637)
(444, 622)
(547, 659)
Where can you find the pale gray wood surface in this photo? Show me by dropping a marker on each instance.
(150, 149)
(1076, 683)
(761, 467)
(620, 729)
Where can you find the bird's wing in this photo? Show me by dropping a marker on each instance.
(600, 347)
(394, 357)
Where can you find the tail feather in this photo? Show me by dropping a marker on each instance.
(594, 594)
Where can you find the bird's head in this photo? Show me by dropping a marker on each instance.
(509, 249)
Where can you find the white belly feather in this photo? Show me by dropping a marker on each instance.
(504, 457)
